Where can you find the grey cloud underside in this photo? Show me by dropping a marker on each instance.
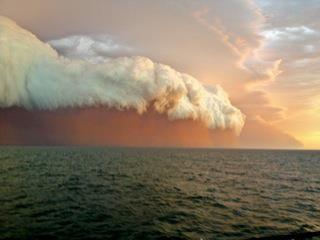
(34, 75)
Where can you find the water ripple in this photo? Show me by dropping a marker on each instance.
(95, 193)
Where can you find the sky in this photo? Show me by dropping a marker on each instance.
(265, 59)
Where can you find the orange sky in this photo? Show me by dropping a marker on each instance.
(266, 59)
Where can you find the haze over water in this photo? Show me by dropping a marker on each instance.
(120, 193)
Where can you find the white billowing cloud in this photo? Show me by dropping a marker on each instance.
(33, 75)
(92, 48)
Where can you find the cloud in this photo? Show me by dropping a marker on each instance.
(242, 36)
(257, 103)
(33, 75)
(91, 48)
(100, 127)
(167, 31)
(303, 12)
(295, 38)
(269, 136)
(293, 42)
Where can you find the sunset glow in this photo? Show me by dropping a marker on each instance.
(159, 119)
(266, 61)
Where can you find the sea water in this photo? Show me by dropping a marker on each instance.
(134, 193)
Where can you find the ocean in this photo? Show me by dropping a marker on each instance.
(135, 193)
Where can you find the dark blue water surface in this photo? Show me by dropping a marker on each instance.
(118, 193)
